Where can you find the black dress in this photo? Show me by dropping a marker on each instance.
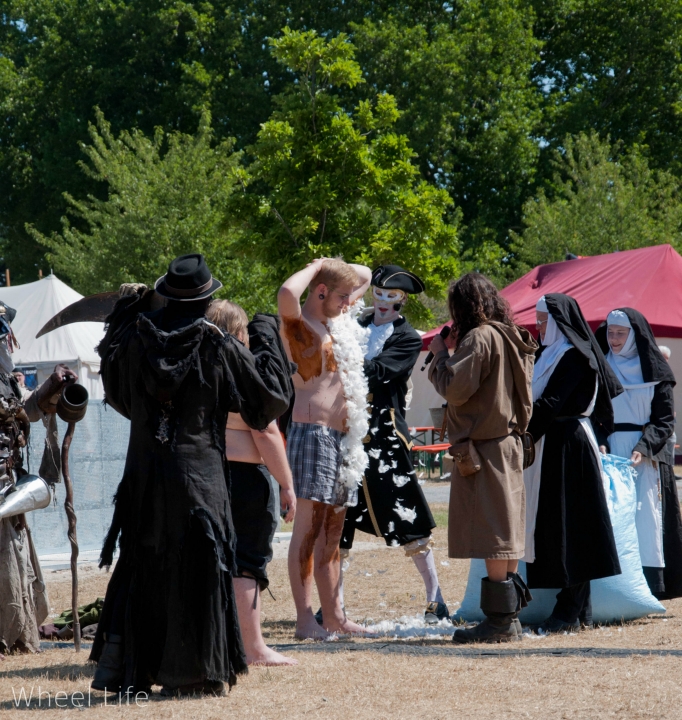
(391, 503)
(574, 540)
(171, 593)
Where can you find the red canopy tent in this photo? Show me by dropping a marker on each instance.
(648, 279)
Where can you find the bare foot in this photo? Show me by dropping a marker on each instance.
(310, 631)
(347, 627)
(269, 657)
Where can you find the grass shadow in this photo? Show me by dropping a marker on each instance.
(69, 671)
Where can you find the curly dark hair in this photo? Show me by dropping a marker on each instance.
(473, 300)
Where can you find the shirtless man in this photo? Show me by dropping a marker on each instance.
(314, 441)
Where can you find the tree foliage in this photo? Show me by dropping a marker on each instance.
(462, 80)
(613, 66)
(487, 91)
(318, 181)
(165, 196)
(602, 199)
(326, 180)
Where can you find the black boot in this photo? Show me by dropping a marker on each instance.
(555, 625)
(499, 602)
(109, 673)
(524, 596)
(585, 617)
(570, 602)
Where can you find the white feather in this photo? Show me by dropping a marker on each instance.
(350, 344)
(407, 514)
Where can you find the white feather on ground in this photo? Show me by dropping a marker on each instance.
(412, 627)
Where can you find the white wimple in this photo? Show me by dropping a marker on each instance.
(350, 344)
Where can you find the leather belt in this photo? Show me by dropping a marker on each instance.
(628, 427)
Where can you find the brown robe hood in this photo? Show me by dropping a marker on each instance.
(522, 347)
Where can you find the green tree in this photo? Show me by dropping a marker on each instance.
(165, 196)
(461, 75)
(601, 199)
(328, 180)
(613, 66)
(149, 64)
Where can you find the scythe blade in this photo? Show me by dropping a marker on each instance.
(94, 308)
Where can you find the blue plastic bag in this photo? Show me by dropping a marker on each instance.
(622, 597)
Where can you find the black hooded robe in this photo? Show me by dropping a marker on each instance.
(574, 540)
(391, 503)
(655, 435)
(172, 583)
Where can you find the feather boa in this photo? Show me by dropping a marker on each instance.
(350, 344)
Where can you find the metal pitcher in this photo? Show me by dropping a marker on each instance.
(30, 493)
(72, 403)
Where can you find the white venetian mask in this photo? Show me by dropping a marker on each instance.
(385, 300)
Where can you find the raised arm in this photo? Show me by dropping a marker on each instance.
(261, 374)
(458, 377)
(289, 295)
(365, 278)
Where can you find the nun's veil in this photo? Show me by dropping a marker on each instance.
(654, 365)
(568, 316)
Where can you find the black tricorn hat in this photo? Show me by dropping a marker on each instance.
(7, 312)
(188, 278)
(393, 277)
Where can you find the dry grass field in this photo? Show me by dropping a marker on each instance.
(388, 678)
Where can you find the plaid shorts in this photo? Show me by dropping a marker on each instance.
(314, 454)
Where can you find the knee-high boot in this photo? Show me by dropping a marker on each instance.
(524, 597)
(500, 604)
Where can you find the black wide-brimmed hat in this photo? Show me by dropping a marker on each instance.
(188, 278)
(393, 277)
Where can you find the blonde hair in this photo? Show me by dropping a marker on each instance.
(335, 273)
(230, 317)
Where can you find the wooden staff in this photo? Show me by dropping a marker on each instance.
(73, 539)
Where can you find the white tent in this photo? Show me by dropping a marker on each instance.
(424, 396)
(74, 344)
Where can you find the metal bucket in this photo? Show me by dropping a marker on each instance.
(437, 414)
(72, 403)
(30, 493)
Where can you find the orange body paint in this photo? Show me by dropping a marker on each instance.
(305, 347)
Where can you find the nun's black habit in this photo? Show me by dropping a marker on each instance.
(666, 582)
(574, 540)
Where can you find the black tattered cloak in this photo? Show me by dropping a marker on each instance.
(171, 595)
(391, 503)
(574, 539)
